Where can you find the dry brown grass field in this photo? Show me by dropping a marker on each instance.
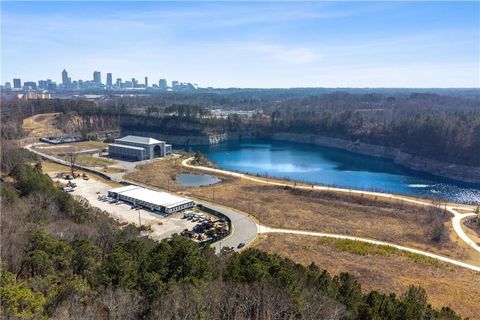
(61, 151)
(49, 167)
(70, 147)
(321, 211)
(91, 161)
(445, 284)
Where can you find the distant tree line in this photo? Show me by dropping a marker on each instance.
(451, 137)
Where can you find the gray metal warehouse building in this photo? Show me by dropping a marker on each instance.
(138, 148)
(153, 200)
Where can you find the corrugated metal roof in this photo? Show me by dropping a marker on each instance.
(163, 199)
(138, 139)
(124, 188)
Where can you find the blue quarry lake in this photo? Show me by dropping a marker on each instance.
(334, 167)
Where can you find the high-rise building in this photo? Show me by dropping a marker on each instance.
(51, 85)
(162, 84)
(30, 84)
(146, 82)
(109, 80)
(47, 85)
(17, 83)
(134, 83)
(118, 84)
(8, 85)
(65, 78)
(175, 84)
(97, 77)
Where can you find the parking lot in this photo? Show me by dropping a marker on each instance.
(160, 226)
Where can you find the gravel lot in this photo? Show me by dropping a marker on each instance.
(162, 227)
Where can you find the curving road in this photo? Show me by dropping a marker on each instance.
(264, 229)
(457, 226)
(456, 220)
(244, 229)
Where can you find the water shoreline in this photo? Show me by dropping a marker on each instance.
(388, 176)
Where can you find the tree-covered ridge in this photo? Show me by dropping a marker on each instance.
(53, 272)
(62, 258)
(448, 137)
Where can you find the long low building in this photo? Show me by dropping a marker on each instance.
(154, 200)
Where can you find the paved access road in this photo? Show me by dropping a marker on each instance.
(264, 229)
(244, 229)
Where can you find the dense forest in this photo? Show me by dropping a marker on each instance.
(62, 258)
(448, 137)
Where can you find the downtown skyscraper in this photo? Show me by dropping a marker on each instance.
(109, 80)
(97, 77)
(65, 79)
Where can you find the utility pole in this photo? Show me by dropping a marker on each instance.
(213, 194)
(72, 161)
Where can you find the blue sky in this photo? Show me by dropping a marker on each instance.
(246, 44)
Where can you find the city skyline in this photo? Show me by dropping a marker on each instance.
(367, 44)
(107, 79)
(95, 82)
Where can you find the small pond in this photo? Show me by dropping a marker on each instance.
(196, 180)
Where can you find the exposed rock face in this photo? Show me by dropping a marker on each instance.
(448, 170)
(193, 140)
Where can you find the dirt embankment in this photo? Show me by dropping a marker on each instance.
(56, 124)
(41, 125)
(473, 224)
